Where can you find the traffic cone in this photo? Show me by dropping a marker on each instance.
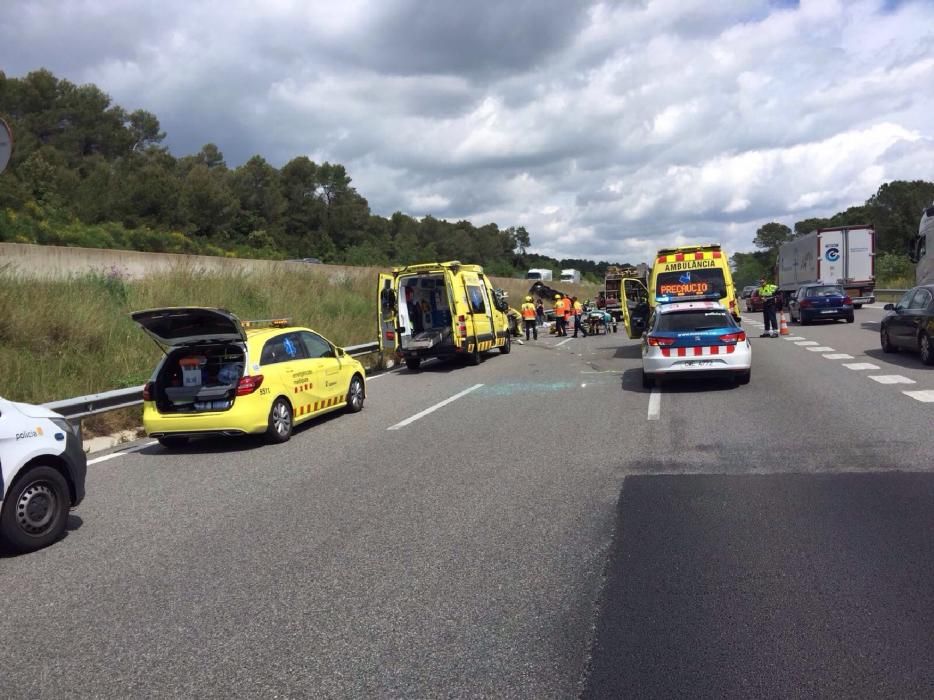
(782, 326)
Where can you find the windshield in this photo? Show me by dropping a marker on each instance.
(533, 276)
(691, 283)
(828, 291)
(693, 320)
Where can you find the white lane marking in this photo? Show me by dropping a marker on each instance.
(821, 348)
(655, 404)
(891, 379)
(382, 374)
(860, 365)
(558, 345)
(432, 409)
(805, 343)
(839, 356)
(795, 337)
(925, 396)
(112, 455)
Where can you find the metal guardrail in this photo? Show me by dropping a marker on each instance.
(891, 291)
(94, 404)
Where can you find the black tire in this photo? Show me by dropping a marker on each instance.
(35, 509)
(744, 377)
(886, 342)
(926, 346)
(803, 321)
(355, 395)
(850, 319)
(413, 363)
(171, 442)
(506, 347)
(280, 424)
(648, 380)
(857, 306)
(473, 358)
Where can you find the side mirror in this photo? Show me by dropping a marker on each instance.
(340, 352)
(889, 307)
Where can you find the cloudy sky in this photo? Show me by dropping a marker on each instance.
(606, 128)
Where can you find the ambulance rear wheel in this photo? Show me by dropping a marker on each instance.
(413, 363)
(280, 421)
(35, 510)
(474, 358)
(506, 347)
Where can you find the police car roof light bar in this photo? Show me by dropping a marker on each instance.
(267, 323)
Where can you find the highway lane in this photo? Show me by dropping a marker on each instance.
(481, 550)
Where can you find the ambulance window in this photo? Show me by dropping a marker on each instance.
(282, 348)
(477, 301)
(317, 346)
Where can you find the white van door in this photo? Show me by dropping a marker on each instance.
(859, 251)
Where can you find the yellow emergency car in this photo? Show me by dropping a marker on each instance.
(446, 309)
(221, 376)
(687, 273)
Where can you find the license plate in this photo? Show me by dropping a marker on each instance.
(698, 363)
(829, 311)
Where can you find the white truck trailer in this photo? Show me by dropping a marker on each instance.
(571, 275)
(540, 274)
(841, 255)
(924, 270)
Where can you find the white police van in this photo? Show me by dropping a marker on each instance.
(42, 472)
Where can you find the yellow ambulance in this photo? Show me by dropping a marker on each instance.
(445, 309)
(687, 273)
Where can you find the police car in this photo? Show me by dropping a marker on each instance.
(42, 472)
(697, 336)
(223, 376)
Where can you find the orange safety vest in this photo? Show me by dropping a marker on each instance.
(559, 307)
(528, 311)
(568, 309)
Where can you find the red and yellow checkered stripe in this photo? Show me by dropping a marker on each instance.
(695, 255)
(308, 408)
(700, 351)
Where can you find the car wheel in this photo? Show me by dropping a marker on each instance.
(857, 306)
(35, 509)
(173, 441)
(413, 363)
(886, 342)
(355, 395)
(280, 421)
(850, 318)
(506, 347)
(927, 349)
(648, 380)
(744, 377)
(474, 357)
(803, 320)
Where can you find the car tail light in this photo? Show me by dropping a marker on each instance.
(847, 301)
(805, 304)
(660, 342)
(147, 391)
(731, 338)
(249, 384)
(462, 326)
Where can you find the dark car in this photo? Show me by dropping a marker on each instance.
(820, 302)
(909, 324)
(754, 302)
(747, 291)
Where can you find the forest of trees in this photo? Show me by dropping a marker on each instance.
(894, 211)
(86, 172)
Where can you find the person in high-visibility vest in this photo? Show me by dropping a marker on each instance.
(528, 319)
(568, 312)
(767, 293)
(578, 311)
(560, 326)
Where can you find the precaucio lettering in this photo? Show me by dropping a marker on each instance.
(680, 290)
(688, 265)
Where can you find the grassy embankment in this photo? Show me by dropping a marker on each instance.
(63, 338)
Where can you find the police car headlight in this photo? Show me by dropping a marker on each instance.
(66, 426)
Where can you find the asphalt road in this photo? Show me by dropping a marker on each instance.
(552, 532)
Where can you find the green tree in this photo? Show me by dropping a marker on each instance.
(771, 235)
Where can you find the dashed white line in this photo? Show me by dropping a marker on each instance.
(839, 356)
(860, 365)
(795, 337)
(120, 453)
(382, 374)
(925, 396)
(804, 343)
(432, 409)
(891, 379)
(821, 348)
(655, 404)
(566, 340)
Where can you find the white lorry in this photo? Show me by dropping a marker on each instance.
(571, 275)
(924, 269)
(841, 255)
(540, 274)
